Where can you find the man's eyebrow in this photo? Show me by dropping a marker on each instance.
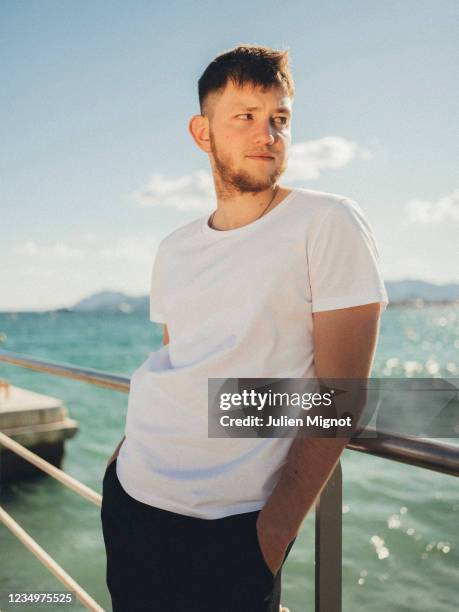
(280, 109)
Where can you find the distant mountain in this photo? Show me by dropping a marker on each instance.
(111, 301)
(409, 290)
(398, 291)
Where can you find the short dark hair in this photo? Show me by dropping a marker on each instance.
(254, 64)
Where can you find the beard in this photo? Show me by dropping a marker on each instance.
(229, 180)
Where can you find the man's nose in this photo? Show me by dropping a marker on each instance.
(264, 133)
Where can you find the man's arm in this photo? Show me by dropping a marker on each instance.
(117, 449)
(344, 345)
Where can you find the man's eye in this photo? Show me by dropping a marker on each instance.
(281, 120)
(245, 115)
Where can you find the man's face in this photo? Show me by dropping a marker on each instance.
(249, 136)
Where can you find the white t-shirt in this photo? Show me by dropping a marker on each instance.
(237, 303)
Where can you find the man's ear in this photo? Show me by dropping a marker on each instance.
(199, 130)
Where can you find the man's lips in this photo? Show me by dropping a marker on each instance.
(261, 156)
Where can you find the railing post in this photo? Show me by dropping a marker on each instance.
(328, 551)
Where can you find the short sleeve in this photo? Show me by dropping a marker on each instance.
(343, 260)
(156, 305)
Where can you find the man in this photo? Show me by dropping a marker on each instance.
(277, 282)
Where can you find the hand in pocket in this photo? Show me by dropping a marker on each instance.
(272, 547)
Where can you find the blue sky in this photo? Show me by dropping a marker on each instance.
(95, 121)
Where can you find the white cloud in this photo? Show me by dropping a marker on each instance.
(131, 248)
(127, 248)
(425, 211)
(88, 238)
(41, 276)
(307, 159)
(58, 251)
(196, 191)
(188, 192)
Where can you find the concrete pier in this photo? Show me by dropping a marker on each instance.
(38, 422)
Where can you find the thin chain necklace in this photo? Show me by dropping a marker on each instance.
(269, 204)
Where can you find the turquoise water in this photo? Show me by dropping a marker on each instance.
(400, 524)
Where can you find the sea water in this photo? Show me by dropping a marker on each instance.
(400, 523)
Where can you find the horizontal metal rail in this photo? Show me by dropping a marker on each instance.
(29, 542)
(419, 452)
(49, 563)
(52, 470)
(95, 377)
(86, 375)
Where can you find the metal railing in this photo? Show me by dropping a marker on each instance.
(418, 452)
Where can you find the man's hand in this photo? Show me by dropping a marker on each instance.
(273, 543)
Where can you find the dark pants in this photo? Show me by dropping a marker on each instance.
(159, 560)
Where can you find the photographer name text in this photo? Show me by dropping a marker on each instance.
(285, 421)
